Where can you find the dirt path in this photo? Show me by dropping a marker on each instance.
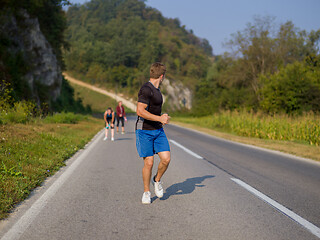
(127, 103)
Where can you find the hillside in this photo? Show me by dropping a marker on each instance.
(113, 43)
(31, 43)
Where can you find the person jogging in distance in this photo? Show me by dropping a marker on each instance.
(150, 136)
(121, 116)
(109, 120)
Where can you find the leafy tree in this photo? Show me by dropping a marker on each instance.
(294, 88)
(261, 49)
(266, 69)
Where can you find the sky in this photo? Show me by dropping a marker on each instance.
(216, 20)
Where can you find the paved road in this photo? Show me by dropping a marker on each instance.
(98, 194)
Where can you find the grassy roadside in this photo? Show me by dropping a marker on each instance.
(97, 101)
(298, 149)
(31, 152)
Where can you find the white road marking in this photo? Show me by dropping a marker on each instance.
(287, 155)
(308, 225)
(186, 149)
(24, 222)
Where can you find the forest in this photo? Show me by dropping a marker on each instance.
(270, 67)
(113, 42)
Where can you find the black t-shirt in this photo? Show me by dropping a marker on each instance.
(151, 96)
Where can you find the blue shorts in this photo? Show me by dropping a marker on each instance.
(150, 142)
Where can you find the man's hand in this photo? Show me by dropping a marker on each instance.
(164, 119)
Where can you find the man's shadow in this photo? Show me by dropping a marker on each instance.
(186, 187)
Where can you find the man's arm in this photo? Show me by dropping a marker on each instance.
(142, 112)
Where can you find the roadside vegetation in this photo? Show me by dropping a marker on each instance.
(291, 147)
(271, 67)
(35, 142)
(36, 149)
(97, 101)
(304, 129)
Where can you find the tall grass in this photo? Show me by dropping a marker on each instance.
(69, 117)
(305, 128)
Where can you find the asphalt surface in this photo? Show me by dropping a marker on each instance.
(98, 194)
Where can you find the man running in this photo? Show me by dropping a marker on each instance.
(121, 116)
(150, 136)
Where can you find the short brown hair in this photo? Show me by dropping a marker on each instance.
(157, 69)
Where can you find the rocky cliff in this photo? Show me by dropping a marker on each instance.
(25, 37)
(179, 95)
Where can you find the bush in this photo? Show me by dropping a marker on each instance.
(69, 117)
(295, 88)
(21, 112)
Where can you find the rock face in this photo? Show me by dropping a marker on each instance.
(179, 95)
(27, 38)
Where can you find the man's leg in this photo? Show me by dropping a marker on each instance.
(146, 172)
(163, 165)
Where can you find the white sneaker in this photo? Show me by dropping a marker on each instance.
(122, 132)
(105, 138)
(112, 139)
(146, 198)
(158, 188)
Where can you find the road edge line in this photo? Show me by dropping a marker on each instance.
(27, 218)
(295, 217)
(288, 155)
(186, 149)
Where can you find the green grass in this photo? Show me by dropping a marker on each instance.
(301, 129)
(31, 152)
(65, 118)
(97, 101)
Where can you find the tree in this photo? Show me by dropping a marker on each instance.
(295, 88)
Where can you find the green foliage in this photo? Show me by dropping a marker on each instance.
(67, 102)
(114, 42)
(32, 152)
(24, 111)
(11, 172)
(21, 112)
(5, 97)
(50, 15)
(270, 69)
(97, 101)
(69, 118)
(304, 129)
(295, 88)
(14, 65)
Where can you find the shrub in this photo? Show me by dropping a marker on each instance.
(69, 117)
(21, 112)
(295, 88)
